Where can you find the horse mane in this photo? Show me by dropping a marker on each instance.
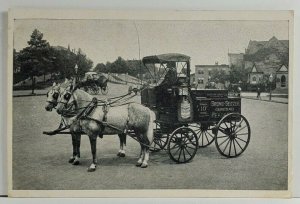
(82, 98)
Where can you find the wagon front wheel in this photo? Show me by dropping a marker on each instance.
(232, 135)
(182, 145)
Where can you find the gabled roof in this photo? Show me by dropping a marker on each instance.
(170, 57)
(257, 69)
(281, 67)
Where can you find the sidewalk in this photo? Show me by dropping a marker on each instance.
(266, 98)
(22, 93)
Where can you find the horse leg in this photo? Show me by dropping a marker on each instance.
(72, 158)
(77, 156)
(93, 142)
(148, 137)
(122, 138)
(142, 154)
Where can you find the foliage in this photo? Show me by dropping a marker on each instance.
(219, 76)
(238, 74)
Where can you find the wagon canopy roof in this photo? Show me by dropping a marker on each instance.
(170, 57)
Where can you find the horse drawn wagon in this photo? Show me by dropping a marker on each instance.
(187, 118)
(172, 114)
(94, 83)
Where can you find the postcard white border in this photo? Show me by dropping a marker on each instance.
(147, 15)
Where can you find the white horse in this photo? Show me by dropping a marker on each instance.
(51, 103)
(130, 116)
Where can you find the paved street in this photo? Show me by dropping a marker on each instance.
(40, 162)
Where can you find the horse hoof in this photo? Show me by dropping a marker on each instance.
(91, 169)
(76, 162)
(122, 155)
(138, 164)
(144, 165)
(71, 160)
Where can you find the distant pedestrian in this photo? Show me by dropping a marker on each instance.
(239, 89)
(258, 93)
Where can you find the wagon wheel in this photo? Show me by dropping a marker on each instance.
(232, 135)
(204, 133)
(95, 89)
(160, 139)
(182, 145)
(104, 90)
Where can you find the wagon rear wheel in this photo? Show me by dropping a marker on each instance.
(204, 133)
(182, 145)
(232, 135)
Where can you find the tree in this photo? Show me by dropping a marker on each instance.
(84, 64)
(219, 76)
(119, 66)
(237, 74)
(35, 58)
(100, 68)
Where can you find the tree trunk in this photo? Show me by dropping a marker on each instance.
(33, 84)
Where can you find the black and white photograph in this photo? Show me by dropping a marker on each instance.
(184, 103)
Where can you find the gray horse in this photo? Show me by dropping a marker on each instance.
(51, 103)
(130, 116)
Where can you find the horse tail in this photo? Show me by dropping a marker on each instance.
(150, 127)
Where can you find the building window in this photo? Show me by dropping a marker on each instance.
(200, 71)
(200, 81)
(283, 81)
(254, 78)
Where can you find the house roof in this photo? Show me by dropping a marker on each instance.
(278, 70)
(254, 45)
(258, 69)
(170, 57)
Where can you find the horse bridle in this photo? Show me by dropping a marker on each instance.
(67, 96)
(54, 96)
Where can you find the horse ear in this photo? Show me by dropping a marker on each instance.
(54, 84)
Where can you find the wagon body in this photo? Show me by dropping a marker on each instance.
(188, 118)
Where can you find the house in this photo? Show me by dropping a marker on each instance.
(255, 75)
(236, 59)
(203, 73)
(282, 77)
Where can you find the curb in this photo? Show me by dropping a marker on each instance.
(264, 100)
(28, 95)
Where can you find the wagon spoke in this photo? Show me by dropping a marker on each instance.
(240, 139)
(210, 135)
(190, 147)
(238, 144)
(226, 146)
(243, 134)
(224, 141)
(238, 125)
(188, 152)
(230, 147)
(179, 154)
(234, 146)
(183, 155)
(206, 137)
(240, 129)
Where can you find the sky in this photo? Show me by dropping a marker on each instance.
(206, 42)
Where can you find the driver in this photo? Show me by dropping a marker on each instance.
(169, 80)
